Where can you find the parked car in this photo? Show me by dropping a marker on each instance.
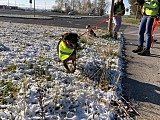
(71, 13)
(91, 14)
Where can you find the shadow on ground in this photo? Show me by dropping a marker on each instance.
(151, 91)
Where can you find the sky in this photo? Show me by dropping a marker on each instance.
(41, 4)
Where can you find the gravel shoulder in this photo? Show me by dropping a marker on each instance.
(142, 80)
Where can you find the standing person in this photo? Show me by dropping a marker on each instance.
(150, 10)
(119, 10)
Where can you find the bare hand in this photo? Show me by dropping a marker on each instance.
(136, 3)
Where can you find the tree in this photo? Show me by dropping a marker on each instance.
(67, 8)
(82, 6)
(135, 9)
(73, 4)
(89, 6)
(79, 6)
(59, 5)
(101, 6)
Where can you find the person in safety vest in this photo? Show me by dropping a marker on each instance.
(119, 10)
(150, 11)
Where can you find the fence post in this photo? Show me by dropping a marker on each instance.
(34, 8)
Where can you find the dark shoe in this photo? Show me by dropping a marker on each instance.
(139, 49)
(115, 35)
(145, 52)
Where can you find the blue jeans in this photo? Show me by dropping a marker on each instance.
(145, 27)
(117, 23)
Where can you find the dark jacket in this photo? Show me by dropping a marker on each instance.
(116, 6)
(141, 2)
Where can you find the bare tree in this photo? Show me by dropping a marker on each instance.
(94, 6)
(82, 6)
(89, 6)
(79, 6)
(102, 5)
(60, 4)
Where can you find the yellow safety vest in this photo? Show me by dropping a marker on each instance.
(64, 51)
(150, 7)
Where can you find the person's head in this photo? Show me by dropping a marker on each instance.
(120, 1)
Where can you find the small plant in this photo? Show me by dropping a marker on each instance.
(10, 68)
(82, 40)
(29, 64)
(8, 89)
(41, 95)
(41, 58)
(49, 78)
(48, 35)
(104, 36)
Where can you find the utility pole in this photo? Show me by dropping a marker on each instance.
(34, 8)
(8, 2)
(30, 1)
(110, 25)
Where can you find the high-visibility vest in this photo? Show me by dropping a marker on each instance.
(64, 51)
(151, 7)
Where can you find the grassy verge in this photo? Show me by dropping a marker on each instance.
(131, 20)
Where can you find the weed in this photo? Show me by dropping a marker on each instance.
(8, 90)
(82, 40)
(48, 35)
(10, 68)
(41, 94)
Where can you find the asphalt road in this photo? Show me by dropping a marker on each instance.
(52, 19)
(142, 81)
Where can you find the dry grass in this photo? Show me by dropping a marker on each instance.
(131, 20)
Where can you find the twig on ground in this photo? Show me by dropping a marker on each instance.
(130, 105)
(116, 83)
(41, 92)
(24, 93)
